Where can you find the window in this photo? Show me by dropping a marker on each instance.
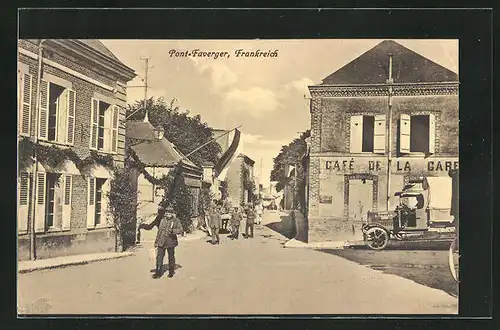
(53, 201)
(57, 113)
(23, 202)
(417, 133)
(367, 134)
(104, 126)
(97, 203)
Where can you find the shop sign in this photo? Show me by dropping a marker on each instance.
(424, 165)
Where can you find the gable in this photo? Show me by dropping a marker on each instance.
(372, 67)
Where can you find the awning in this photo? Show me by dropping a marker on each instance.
(68, 167)
(440, 192)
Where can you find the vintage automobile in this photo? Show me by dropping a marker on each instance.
(423, 213)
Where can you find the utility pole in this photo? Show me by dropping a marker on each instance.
(389, 133)
(146, 68)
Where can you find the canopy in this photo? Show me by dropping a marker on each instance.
(440, 192)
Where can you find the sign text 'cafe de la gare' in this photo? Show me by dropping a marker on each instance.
(433, 167)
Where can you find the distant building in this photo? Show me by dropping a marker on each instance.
(160, 156)
(82, 98)
(348, 158)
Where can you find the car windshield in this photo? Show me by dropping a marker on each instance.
(410, 201)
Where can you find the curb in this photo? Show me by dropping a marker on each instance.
(73, 263)
(338, 245)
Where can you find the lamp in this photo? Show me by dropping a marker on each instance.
(158, 132)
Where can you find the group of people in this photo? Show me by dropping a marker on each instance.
(169, 226)
(252, 214)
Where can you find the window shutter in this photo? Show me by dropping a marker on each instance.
(26, 93)
(23, 207)
(379, 135)
(94, 120)
(104, 203)
(432, 133)
(71, 116)
(66, 210)
(356, 134)
(114, 130)
(91, 203)
(40, 202)
(44, 110)
(404, 133)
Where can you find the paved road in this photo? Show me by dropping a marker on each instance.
(254, 276)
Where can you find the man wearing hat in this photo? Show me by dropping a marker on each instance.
(215, 222)
(166, 238)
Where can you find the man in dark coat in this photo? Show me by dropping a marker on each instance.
(166, 238)
(236, 218)
(215, 222)
(250, 212)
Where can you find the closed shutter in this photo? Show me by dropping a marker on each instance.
(41, 182)
(356, 134)
(94, 120)
(432, 133)
(26, 92)
(379, 135)
(71, 116)
(404, 133)
(44, 110)
(91, 203)
(23, 207)
(114, 129)
(66, 209)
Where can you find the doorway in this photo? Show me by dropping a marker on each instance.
(360, 199)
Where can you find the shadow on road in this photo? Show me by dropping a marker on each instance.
(165, 267)
(285, 227)
(410, 245)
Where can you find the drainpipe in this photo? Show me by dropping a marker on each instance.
(389, 134)
(35, 163)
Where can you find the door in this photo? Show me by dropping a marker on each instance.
(360, 199)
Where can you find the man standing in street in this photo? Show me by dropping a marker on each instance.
(215, 221)
(250, 212)
(166, 238)
(235, 223)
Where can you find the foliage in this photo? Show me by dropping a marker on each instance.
(122, 202)
(184, 131)
(224, 189)
(291, 154)
(206, 197)
(181, 203)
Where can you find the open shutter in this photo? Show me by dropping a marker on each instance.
(356, 134)
(71, 116)
(66, 209)
(41, 182)
(23, 207)
(44, 110)
(114, 129)
(91, 203)
(404, 133)
(432, 133)
(104, 204)
(379, 135)
(94, 120)
(26, 92)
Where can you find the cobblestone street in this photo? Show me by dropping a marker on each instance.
(245, 276)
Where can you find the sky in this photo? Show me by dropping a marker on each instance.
(267, 95)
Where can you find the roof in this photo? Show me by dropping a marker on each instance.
(99, 47)
(151, 151)
(372, 67)
(247, 159)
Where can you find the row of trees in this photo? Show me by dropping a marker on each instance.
(292, 155)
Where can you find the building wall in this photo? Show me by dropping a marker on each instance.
(78, 239)
(334, 171)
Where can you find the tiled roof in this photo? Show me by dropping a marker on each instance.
(372, 67)
(151, 151)
(99, 47)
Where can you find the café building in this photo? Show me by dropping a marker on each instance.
(388, 117)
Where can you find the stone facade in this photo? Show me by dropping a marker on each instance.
(234, 179)
(70, 64)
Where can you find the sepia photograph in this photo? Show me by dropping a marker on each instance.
(237, 176)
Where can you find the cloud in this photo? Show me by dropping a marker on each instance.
(259, 141)
(255, 101)
(300, 85)
(218, 73)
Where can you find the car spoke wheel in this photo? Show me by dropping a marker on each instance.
(453, 259)
(377, 238)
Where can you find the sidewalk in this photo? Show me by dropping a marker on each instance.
(81, 259)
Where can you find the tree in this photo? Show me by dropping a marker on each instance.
(184, 131)
(291, 154)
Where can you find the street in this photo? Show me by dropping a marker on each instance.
(245, 276)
